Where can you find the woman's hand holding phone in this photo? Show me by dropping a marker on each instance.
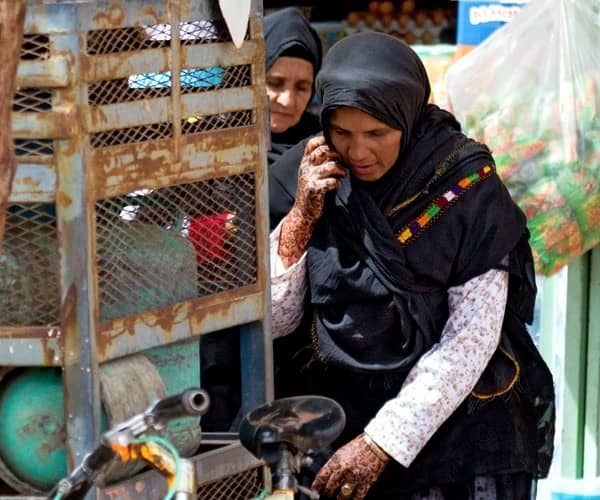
(320, 172)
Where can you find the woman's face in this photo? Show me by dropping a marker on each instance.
(289, 87)
(368, 147)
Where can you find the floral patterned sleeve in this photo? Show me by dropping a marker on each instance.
(288, 287)
(446, 374)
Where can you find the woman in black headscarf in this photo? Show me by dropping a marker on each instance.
(420, 282)
(293, 58)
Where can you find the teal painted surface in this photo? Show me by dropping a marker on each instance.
(179, 367)
(574, 370)
(33, 428)
(32, 434)
(591, 444)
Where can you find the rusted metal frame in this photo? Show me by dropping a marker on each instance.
(12, 16)
(51, 73)
(211, 466)
(30, 347)
(34, 182)
(175, 64)
(181, 321)
(107, 14)
(130, 114)
(255, 338)
(125, 64)
(220, 101)
(75, 218)
(47, 17)
(220, 54)
(137, 166)
(206, 9)
(45, 124)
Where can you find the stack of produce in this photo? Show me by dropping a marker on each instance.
(402, 19)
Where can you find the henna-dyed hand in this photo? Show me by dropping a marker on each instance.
(355, 464)
(319, 172)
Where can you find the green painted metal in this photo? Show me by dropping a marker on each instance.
(32, 434)
(591, 437)
(32, 412)
(33, 426)
(179, 367)
(574, 370)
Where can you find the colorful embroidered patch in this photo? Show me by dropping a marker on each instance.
(440, 204)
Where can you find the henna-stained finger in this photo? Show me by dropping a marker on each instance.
(321, 479)
(330, 477)
(313, 143)
(333, 169)
(334, 483)
(361, 491)
(322, 154)
(326, 185)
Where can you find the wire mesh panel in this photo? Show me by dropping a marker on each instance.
(162, 246)
(35, 47)
(161, 241)
(243, 485)
(29, 267)
(29, 258)
(127, 39)
(165, 119)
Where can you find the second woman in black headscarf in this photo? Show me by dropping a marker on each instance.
(293, 58)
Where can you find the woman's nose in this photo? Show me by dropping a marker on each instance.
(357, 151)
(285, 98)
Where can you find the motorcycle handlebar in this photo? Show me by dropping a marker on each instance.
(191, 402)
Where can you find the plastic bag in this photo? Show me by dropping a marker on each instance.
(531, 92)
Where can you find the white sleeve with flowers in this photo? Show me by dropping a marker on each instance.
(445, 375)
(288, 287)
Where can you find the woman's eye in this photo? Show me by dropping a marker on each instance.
(274, 84)
(338, 131)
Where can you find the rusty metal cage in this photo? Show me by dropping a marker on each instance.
(138, 214)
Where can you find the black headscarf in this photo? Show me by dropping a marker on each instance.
(287, 30)
(288, 33)
(380, 306)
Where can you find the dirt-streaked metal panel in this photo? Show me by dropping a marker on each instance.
(138, 215)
